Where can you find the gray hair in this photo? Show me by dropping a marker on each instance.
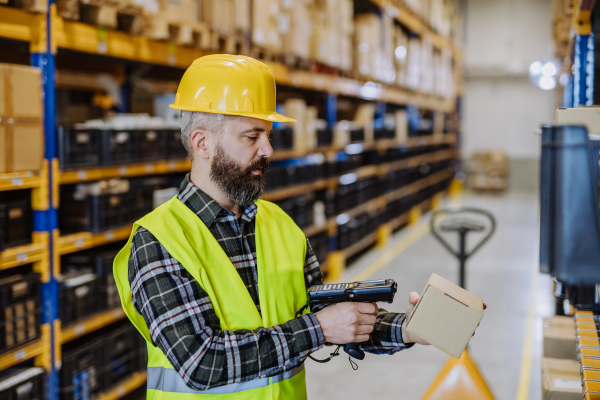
(191, 121)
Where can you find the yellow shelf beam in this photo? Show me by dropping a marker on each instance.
(20, 180)
(94, 174)
(13, 257)
(86, 240)
(17, 24)
(91, 324)
(22, 353)
(129, 385)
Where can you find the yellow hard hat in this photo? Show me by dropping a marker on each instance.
(231, 85)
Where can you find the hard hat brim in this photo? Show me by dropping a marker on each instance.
(273, 117)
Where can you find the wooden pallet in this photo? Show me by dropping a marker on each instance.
(103, 13)
(178, 32)
(296, 62)
(228, 43)
(36, 6)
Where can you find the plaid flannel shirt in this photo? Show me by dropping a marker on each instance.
(184, 325)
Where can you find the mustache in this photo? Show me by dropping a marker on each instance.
(262, 164)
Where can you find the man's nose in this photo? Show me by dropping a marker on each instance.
(264, 149)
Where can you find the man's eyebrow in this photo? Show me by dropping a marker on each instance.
(251, 130)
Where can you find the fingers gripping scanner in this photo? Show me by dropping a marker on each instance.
(364, 292)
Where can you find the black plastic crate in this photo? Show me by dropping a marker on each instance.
(150, 145)
(320, 245)
(175, 148)
(20, 321)
(282, 138)
(94, 213)
(17, 218)
(118, 146)
(121, 354)
(324, 137)
(22, 384)
(101, 263)
(78, 147)
(82, 372)
(357, 135)
(78, 296)
(141, 195)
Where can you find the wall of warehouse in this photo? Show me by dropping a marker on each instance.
(502, 109)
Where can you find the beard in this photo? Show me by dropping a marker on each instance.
(238, 182)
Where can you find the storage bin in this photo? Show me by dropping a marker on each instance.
(121, 353)
(78, 296)
(22, 384)
(149, 145)
(117, 146)
(82, 372)
(94, 213)
(175, 148)
(16, 220)
(78, 147)
(20, 321)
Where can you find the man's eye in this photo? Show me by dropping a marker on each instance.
(252, 137)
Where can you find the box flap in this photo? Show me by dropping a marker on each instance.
(456, 292)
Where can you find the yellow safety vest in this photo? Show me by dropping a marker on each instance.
(280, 253)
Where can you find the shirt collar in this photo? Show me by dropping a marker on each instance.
(205, 207)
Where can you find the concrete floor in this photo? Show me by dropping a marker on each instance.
(503, 273)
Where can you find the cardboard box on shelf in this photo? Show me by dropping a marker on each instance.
(560, 321)
(296, 32)
(560, 365)
(265, 30)
(586, 116)
(364, 119)
(21, 147)
(296, 108)
(446, 316)
(20, 92)
(561, 385)
(401, 126)
(560, 342)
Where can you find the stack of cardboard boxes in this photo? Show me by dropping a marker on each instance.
(489, 170)
(21, 119)
(561, 378)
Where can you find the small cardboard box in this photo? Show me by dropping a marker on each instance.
(446, 316)
(21, 147)
(588, 117)
(561, 385)
(560, 321)
(560, 365)
(559, 342)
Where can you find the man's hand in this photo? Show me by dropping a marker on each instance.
(347, 322)
(413, 297)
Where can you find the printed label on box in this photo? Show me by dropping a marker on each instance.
(566, 384)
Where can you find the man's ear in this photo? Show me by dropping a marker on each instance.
(199, 138)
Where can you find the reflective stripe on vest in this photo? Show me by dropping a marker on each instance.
(168, 380)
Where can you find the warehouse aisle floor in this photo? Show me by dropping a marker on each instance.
(504, 273)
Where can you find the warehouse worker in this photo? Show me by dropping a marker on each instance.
(213, 278)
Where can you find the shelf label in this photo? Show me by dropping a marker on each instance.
(20, 355)
(17, 182)
(79, 243)
(319, 83)
(149, 168)
(118, 313)
(120, 391)
(172, 59)
(123, 171)
(82, 175)
(172, 166)
(102, 36)
(297, 80)
(22, 257)
(110, 235)
(79, 329)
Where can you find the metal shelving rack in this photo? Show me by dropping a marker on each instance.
(45, 33)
